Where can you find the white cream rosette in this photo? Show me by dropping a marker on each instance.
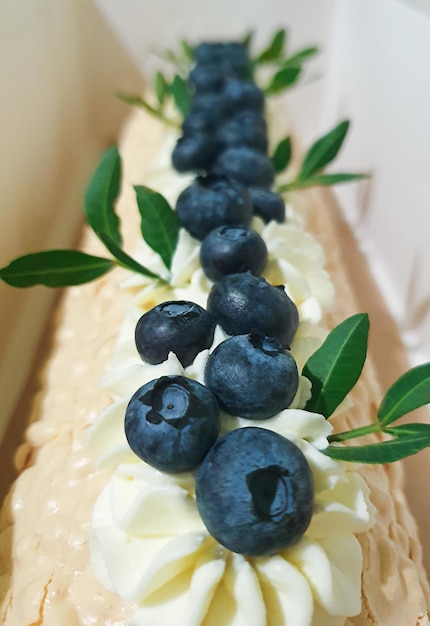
(150, 546)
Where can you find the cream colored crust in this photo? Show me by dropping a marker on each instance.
(45, 574)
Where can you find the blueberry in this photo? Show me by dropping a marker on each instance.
(232, 57)
(178, 326)
(207, 78)
(267, 204)
(195, 124)
(248, 166)
(254, 492)
(252, 376)
(235, 132)
(213, 201)
(171, 423)
(232, 249)
(241, 303)
(242, 94)
(209, 52)
(210, 106)
(193, 153)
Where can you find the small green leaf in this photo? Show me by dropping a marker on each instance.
(181, 94)
(282, 155)
(124, 259)
(299, 57)
(159, 223)
(323, 180)
(336, 366)
(161, 88)
(138, 101)
(409, 392)
(275, 48)
(384, 452)
(282, 79)
(323, 151)
(408, 430)
(102, 193)
(55, 268)
(187, 51)
(247, 40)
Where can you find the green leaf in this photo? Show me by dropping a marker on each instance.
(187, 51)
(55, 268)
(323, 151)
(138, 101)
(159, 223)
(384, 452)
(161, 88)
(282, 155)
(102, 193)
(409, 392)
(124, 259)
(282, 79)
(247, 40)
(336, 366)
(275, 48)
(299, 57)
(323, 180)
(405, 430)
(181, 94)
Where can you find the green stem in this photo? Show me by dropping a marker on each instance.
(355, 432)
(137, 101)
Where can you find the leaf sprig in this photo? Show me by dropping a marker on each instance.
(321, 153)
(63, 268)
(333, 371)
(288, 68)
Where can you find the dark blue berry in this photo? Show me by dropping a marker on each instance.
(267, 204)
(241, 303)
(248, 166)
(210, 107)
(213, 201)
(240, 95)
(193, 153)
(252, 376)
(254, 492)
(207, 78)
(239, 132)
(232, 249)
(171, 423)
(178, 326)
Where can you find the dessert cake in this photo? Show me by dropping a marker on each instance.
(93, 534)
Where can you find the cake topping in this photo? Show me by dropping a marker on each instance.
(232, 249)
(177, 326)
(252, 376)
(241, 303)
(213, 201)
(254, 491)
(171, 423)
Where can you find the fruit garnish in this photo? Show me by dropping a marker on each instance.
(254, 492)
(246, 165)
(171, 423)
(213, 201)
(252, 376)
(242, 303)
(267, 204)
(232, 249)
(178, 326)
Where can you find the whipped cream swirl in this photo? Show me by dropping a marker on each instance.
(149, 544)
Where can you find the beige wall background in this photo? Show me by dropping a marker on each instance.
(59, 68)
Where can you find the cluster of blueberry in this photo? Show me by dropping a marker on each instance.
(254, 488)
